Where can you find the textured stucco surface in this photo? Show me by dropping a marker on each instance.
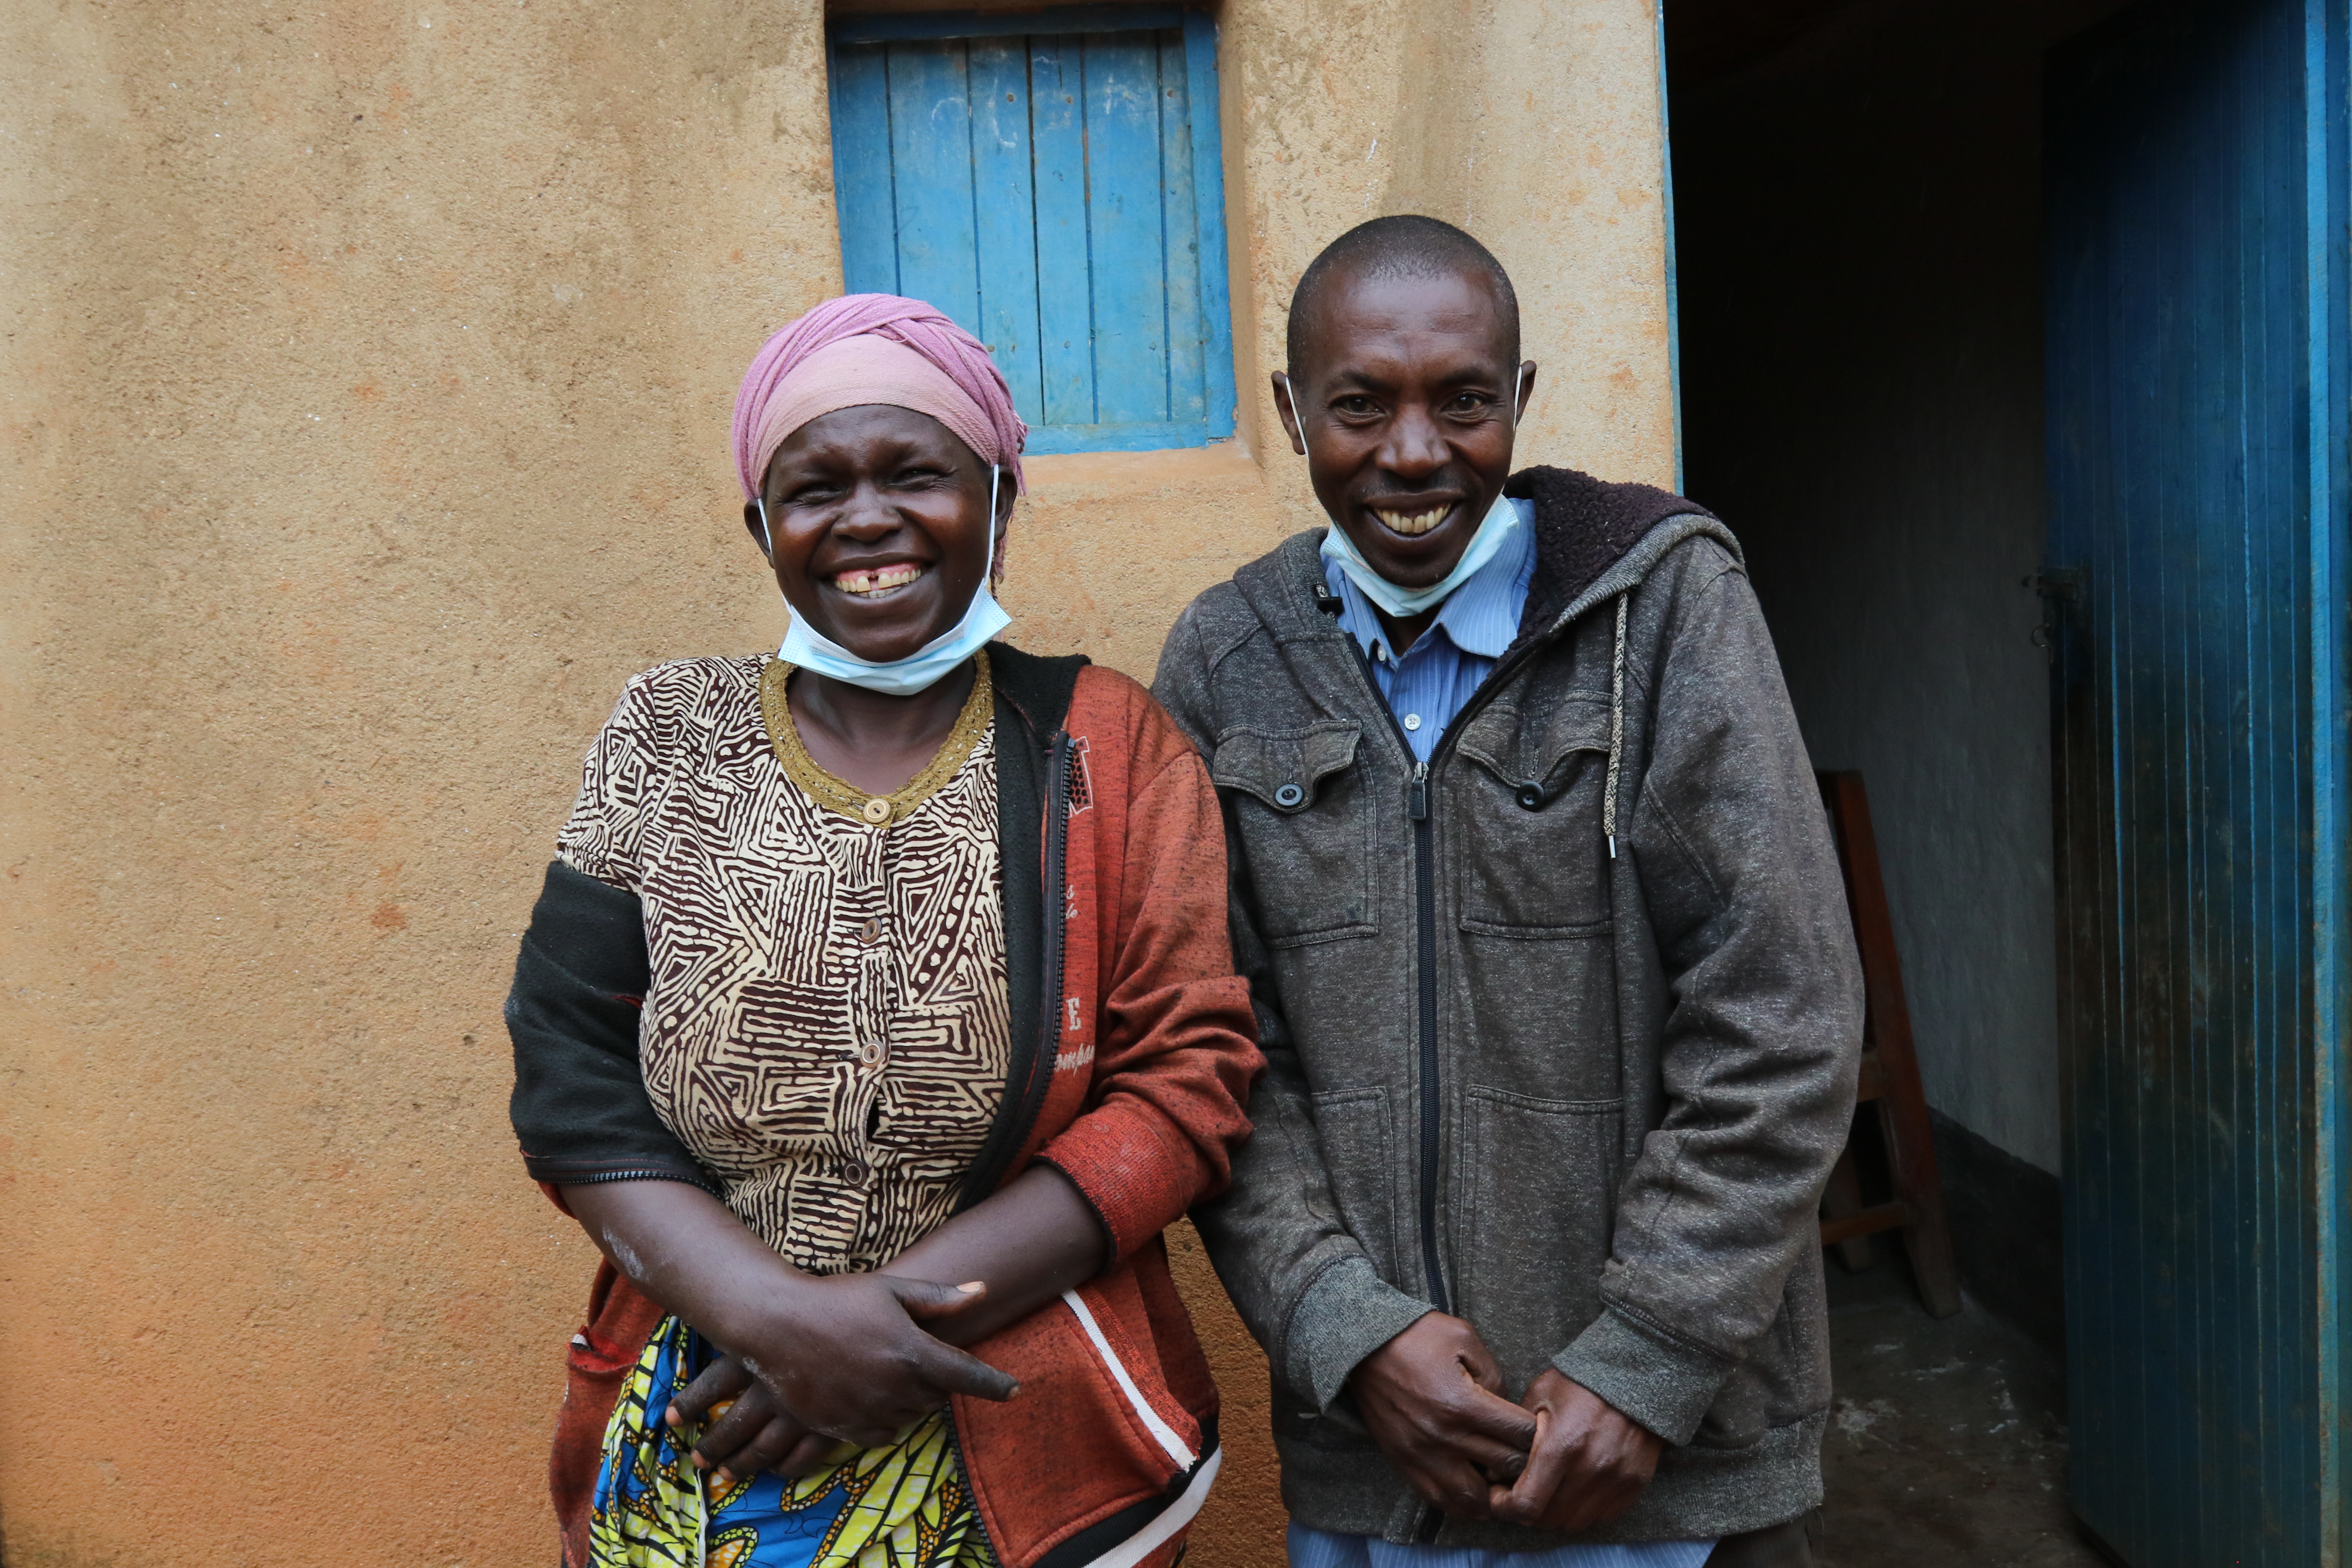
(367, 373)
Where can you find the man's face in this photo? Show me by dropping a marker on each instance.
(1405, 414)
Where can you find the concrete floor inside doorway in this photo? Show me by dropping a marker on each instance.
(1947, 1442)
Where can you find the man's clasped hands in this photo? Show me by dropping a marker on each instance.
(1562, 1458)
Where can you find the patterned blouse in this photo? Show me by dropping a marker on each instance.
(827, 1027)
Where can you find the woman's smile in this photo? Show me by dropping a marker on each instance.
(871, 583)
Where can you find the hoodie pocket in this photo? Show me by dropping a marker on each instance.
(1542, 1178)
(1533, 846)
(1095, 1435)
(1359, 1151)
(1302, 809)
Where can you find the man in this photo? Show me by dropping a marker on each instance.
(1544, 926)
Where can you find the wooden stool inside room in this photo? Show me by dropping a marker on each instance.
(1890, 1079)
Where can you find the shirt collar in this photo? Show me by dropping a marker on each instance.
(1479, 617)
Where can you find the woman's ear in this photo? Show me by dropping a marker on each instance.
(755, 523)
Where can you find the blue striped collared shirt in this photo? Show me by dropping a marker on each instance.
(1426, 685)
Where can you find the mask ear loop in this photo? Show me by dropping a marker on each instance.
(766, 544)
(989, 569)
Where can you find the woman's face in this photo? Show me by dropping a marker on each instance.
(879, 527)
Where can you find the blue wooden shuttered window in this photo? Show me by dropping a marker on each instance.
(1052, 181)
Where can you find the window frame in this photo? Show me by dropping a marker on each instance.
(1202, 102)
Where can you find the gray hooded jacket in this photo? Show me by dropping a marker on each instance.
(1561, 1031)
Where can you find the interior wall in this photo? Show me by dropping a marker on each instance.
(364, 379)
(1858, 235)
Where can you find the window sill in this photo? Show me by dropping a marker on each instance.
(1110, 476)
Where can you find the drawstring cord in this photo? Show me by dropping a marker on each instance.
(1616, 727)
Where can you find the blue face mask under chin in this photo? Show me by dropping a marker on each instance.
(805, 647)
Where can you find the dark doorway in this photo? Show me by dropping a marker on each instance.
(1858, 217)
(1861, 189)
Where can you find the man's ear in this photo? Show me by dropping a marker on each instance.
(1286, 403)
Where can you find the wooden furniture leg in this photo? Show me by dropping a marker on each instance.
(1890, 1072)
(1842, 1200)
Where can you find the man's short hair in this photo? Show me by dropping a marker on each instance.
(1405, 245)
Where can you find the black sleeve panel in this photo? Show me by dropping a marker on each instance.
(580, 1107)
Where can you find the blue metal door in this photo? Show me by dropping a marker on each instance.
(2196, 162)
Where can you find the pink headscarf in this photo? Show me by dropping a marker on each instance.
(874, 348)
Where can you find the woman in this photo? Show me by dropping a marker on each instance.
(877, 1016)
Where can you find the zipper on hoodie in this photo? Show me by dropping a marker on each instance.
(1025, 1100)
(1054, 905)
(1058, 903)
(1054, 901)
(1419, 809)
(1425, 912)
(1425, 907)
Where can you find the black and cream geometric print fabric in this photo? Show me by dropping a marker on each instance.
(827, 1027)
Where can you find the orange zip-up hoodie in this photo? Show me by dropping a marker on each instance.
(1133, 1054)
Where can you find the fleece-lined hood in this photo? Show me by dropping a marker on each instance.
(1592, 534)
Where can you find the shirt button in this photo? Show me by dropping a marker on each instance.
(1412, 720)
(856, 1172)
(871, 932)
(876, 811)
(874, 1053)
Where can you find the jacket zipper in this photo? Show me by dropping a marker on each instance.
(648, 1174)
(1424, 900)
(1053, 903)
(1418, 812)
(1056, 903)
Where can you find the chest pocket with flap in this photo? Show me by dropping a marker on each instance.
(1304, 811)
(1531, 845)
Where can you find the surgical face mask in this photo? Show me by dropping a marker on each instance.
(809, 648)
(1495, 530)
(1504, 519)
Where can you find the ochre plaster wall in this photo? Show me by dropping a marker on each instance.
(366, 380)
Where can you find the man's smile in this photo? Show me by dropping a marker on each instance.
(1411, 524)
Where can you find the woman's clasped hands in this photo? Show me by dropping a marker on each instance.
(831, 1363)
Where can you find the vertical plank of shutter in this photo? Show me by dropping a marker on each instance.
(1208, 193)
(861, 170)
(1005, 216)
(1065, 298)
(1187, 398)
(930, 136)
(1123, 226)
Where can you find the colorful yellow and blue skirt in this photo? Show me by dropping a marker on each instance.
(904, 1506)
